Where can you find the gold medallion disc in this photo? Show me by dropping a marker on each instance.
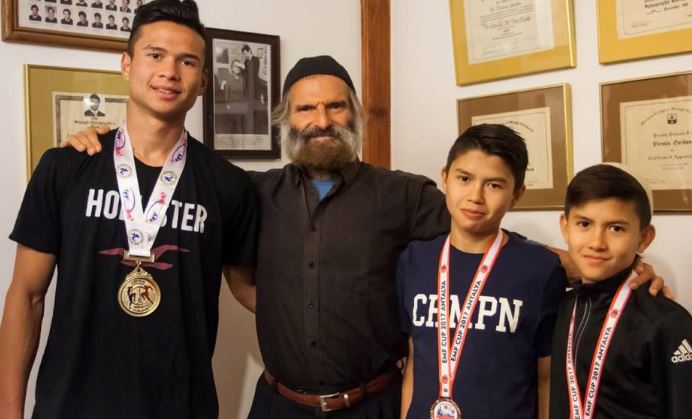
(139, 295)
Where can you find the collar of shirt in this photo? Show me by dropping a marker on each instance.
(601, 292)
(347, 173)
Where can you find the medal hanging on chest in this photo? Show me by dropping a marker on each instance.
(449, 351)
(445, 409)
(584, 406)
(139, 295)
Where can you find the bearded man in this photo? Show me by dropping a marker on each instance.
(331, 230)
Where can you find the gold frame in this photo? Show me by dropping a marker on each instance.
(611, 49)
(562, 56)
(558, 99)
(612, 94)
(39, 82)
(13, 31)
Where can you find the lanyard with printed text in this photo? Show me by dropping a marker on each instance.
(142, 223)
(586, 409)
(449, 353)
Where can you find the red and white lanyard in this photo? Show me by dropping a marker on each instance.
(449, 353)
(586, 409)
(142, 223)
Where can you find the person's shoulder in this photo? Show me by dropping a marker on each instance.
(423, 249)
(272, 176)
(395, 175)
(530, 249)
(657, 308)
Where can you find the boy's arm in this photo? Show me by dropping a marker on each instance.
(543, 386)
(240, 281)
(21, 326)
(407, 386)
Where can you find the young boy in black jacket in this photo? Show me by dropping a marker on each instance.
(616, 353)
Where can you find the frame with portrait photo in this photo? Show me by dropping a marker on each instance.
(61, 101)
(646, 123)
(90, 24)
(242, 89)
(542, 116)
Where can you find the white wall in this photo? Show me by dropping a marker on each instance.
(424, 121)
(306, 28)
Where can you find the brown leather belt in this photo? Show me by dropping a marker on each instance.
(339, 400)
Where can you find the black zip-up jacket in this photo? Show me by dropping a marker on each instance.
(648, 369)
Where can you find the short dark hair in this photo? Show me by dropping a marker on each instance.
(604, 181)
(181, 12)
(246, 47)
(33, 6)
(97, 14)
(81, 13)
(94, 96)
(495, 140)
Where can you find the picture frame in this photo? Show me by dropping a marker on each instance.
(498, 39)
(243, 71)
(542, 116)
(627, 30)
(646, 123)
(90, 24)
(60, 101)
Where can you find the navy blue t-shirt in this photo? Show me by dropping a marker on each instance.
(511, 327)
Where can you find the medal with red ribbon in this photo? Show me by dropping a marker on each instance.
(585, 409)
(449, 353)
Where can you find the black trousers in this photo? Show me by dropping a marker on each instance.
(268, 404)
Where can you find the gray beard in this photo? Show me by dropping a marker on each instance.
(321, 156)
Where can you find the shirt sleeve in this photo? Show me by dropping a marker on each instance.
(671, 356)
(404, 314)
(430, 216)
(38, 222)
(241, 228)
(550, 302)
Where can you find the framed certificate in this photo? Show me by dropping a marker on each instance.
(496, 39)
(243, 89)
(61, 101)
(541, 116)
(647, 124)
(632, 29)
(91, 24)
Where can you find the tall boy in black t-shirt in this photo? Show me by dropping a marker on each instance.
(616, 353)
(140, 235)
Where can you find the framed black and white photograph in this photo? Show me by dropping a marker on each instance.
(243, 88)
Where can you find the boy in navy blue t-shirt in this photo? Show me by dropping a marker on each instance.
(495, 295)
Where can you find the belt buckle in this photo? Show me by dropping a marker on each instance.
(323, 401)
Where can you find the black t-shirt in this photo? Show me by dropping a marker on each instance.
(100, 362)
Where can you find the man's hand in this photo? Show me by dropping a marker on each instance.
(646, 273)
(86, 140)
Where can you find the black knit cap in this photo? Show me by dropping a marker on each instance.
(310, 66)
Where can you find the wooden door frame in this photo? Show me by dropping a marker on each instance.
(375, 69)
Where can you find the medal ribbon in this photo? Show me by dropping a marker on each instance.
(586, 409)
(449, 353)
(142, 224)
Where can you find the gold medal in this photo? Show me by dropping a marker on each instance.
(445, 409)
(139, 295)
